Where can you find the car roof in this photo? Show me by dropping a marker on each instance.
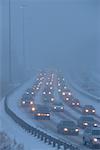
(87, 117)
(57, 103)
(30, 89)
(27, 96)
(67, 122)
(88, 106)
(42, 109)
(95, 128)
(92, 128)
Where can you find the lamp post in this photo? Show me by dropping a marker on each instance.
(9, 53)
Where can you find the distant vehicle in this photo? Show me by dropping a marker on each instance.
(88, 110)
(27, 100)
(47, 96)
(91, 137)
(86, 121)
(42, 113)
(74, 102)
(57, 107)
(30, 91)
(67, 98)
(68, 128)
(33, 108)
(66, 93)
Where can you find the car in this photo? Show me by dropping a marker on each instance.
(30, 91)
(47, 95)
(57, 107)
(67, 127)
(42, 113)
(66, 93)
(91, 137)
(74, 102)
(27, 100)
(86, 121)
(67, 98)
(88, 110)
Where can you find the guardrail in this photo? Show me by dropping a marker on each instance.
(46, 138)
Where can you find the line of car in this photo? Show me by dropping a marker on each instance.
(86, 121)
(43, 112)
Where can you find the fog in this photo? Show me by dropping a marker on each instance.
(63, 35)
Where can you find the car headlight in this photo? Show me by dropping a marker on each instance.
(95, 125)
(23, 102)
(44, 93)
(95, 139)
(67, 99)
(93, 111)
(63, 93)
(31, 102)
(52, 99)
(65, 87)
(62, 107)
(73, 103)
(32, 93)
(33, 108)
(86, 110)
(38, 114)
(85, 123)
(58, 84)
(65, 129)
(50, 83)
(48, 114)
(49, 92)
(55, 107)
(59, 90)
(76, 130)
(69, 93)
(27, 93)
(51, 88)
(78, 104)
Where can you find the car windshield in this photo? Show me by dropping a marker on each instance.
(88, 107)
(88, 119)
(58, 104)
(69, 123)
(96, 132)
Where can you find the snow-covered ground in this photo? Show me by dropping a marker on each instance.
(82, 95)
(89, 84)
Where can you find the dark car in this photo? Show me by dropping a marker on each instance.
(42, 113)
(30, 91)
(27, 100)
(74, 102)
(47, 95)
(88, 110)
(66, 93)
(91, 137)
(57, 107)
(86, 121)
(68, 128)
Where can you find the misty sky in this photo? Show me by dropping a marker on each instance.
(63, 34)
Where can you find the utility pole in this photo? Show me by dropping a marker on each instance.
(9, 53)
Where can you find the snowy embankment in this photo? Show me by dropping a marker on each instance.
(84, 97)
(87, 86)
